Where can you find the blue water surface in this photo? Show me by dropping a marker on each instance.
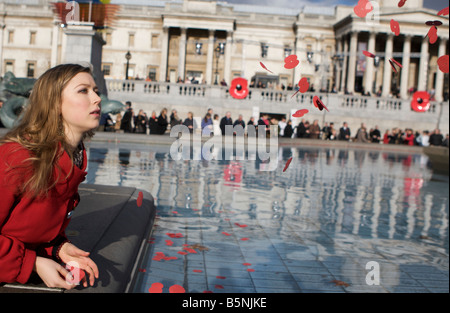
(320, 222)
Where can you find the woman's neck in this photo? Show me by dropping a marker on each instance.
(73, 139)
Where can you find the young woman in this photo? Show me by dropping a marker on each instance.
(42, 163)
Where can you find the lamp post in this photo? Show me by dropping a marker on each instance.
(218, 51)
(128, 57)
(376, 63)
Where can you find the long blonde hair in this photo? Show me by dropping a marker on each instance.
(41, 129)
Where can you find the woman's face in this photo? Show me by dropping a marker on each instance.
(81, 105)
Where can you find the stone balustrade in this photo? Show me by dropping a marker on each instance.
(354, 109)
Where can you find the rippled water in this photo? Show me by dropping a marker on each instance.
(336, 202)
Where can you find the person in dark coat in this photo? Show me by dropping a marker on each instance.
(344, 132)
(288, 130)
(190, 122)
(162, 122)
(126, 119)
(436, 138)
(375, 135)
(153, 123)
(226, 120)
(301, 129)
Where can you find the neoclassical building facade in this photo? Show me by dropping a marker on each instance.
(211, 41)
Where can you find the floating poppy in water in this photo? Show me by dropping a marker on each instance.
(287, 164)
(239, 88)
(156, 288)
(176, 289)
(420, 101)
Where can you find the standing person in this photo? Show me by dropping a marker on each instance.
(344, 132)
(282, 125)
(240, 121)
(375, 135)
(424, 139)
(118, 122)
(436, 138)
(361, 135)
(445, 142)
(174, 119)
(216, 125)
(226, 120)
(162, 122)
(207, 123)
(153, 123)
(301, 129)
(288, 130)
(190, 122)
(251, 127)
(126, 118)
(386, 136)
(314, 130)
(408, 137)
(42, 163)
(140, 123)
(326, 131)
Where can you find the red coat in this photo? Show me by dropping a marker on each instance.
(30, 228)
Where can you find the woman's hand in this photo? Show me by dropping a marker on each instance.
(69, 252)
(52, 273)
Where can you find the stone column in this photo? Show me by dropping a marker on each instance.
(423, 65)
(439, 88)
(182, 54)
(164, 55)
(387, 70)
(210, 57)
(405, 70)
(344, 66)
(368, 83)
(338, 67)
(55, 37)
(227, 64)
(352, 62)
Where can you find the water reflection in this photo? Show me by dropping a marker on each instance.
(370, 194)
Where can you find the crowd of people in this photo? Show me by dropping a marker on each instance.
(211, 123)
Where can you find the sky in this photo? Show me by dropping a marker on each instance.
(430, 4)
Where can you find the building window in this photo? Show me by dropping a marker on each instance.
(108, 38)
(11, 36)
(32, 37)
(106, 69)
(31, 67)
(130, 40)
(9, 66)
(264, 49)
(152, 74)
(155, 41)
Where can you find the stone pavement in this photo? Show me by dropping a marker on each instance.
(112, 227)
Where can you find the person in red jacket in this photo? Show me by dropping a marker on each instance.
(42, 163)
(408, 138)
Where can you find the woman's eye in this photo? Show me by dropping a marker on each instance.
(83, 91)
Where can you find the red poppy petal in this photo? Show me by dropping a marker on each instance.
(420, 101)
(392, 65)
(225, 233)
(169, 242)
(218, 286)
(220, 277)
(239, 88)
(300, 113)
(156, 288)
(244, 239)
(444, 11)
(182, 252)
(368, 54)
(303, 85)
(291, 61)
(395, 27)
(139, 199)
(432, 34)
(287, 164)
(443, 63)
(246, 264)
(264, 67)
(176, 289)
(197, 271)
(250, 270)
(401, 3)
(319, 104)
